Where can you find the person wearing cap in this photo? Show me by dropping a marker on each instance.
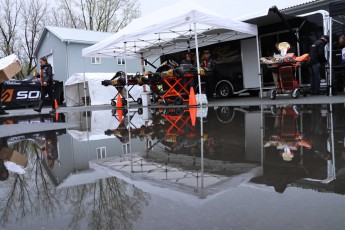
(208, 64)
(206, 60)
(46, 85)
(317, 60)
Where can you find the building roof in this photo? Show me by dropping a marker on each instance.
(73, 35)
(307, 6)
(302, 4)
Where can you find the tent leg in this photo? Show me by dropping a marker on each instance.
(197, 57)
(330, 61)
(259, 66)
(85, 104)
(127, 91)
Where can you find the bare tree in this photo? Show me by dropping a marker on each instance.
(9, 25)
(99, 15)
(33, 14)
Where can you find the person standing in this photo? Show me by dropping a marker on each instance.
(208, 63)
(46, 77)
(206, 60)
(188, 59)
(317, 61)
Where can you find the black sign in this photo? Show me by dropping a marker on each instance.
(26, 93)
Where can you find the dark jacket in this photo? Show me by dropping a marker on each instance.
(185, 62)
(208, 64)
(47, 74)
(317, 52)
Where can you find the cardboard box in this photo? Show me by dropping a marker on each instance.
(10, 71)
(7, 154)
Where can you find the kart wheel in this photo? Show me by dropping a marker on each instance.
(113, 112)
(273, 94)
(178, 101)
(140, 101)
(140, 111)
(113, 103)
(295, 94)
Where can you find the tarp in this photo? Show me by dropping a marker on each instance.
(99, 94)
(169, 30)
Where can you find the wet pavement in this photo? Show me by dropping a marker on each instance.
(223, 167)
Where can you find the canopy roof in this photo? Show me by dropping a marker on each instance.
(170, 30)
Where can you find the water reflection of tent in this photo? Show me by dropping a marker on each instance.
(80, 178)
(178, 177)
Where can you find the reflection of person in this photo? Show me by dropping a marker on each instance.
(317, 60)
(46, 84)
(2, 111)
(3, 170)
(187, 60)
(51, 148)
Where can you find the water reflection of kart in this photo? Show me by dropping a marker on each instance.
(287, 137)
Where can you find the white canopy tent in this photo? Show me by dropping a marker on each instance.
(179, 27)
(99, 94)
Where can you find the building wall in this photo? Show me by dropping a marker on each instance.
(52, 45)
(67, 59)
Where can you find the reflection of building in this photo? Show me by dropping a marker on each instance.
(85, 143)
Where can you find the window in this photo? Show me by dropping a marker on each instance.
(121, 61)
(126, 148)
(95, 60)
(101, 152)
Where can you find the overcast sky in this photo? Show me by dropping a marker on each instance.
(229, 8)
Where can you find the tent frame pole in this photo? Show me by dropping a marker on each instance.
(85, 104)
(197, 58)
(127, 93)
(330, 60)
(259, 66)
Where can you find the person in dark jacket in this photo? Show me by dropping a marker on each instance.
(188, 59)
(46, 77)
(317, 60)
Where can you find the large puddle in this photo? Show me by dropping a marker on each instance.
(211, 168)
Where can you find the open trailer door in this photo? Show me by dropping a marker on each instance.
(250, 64)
